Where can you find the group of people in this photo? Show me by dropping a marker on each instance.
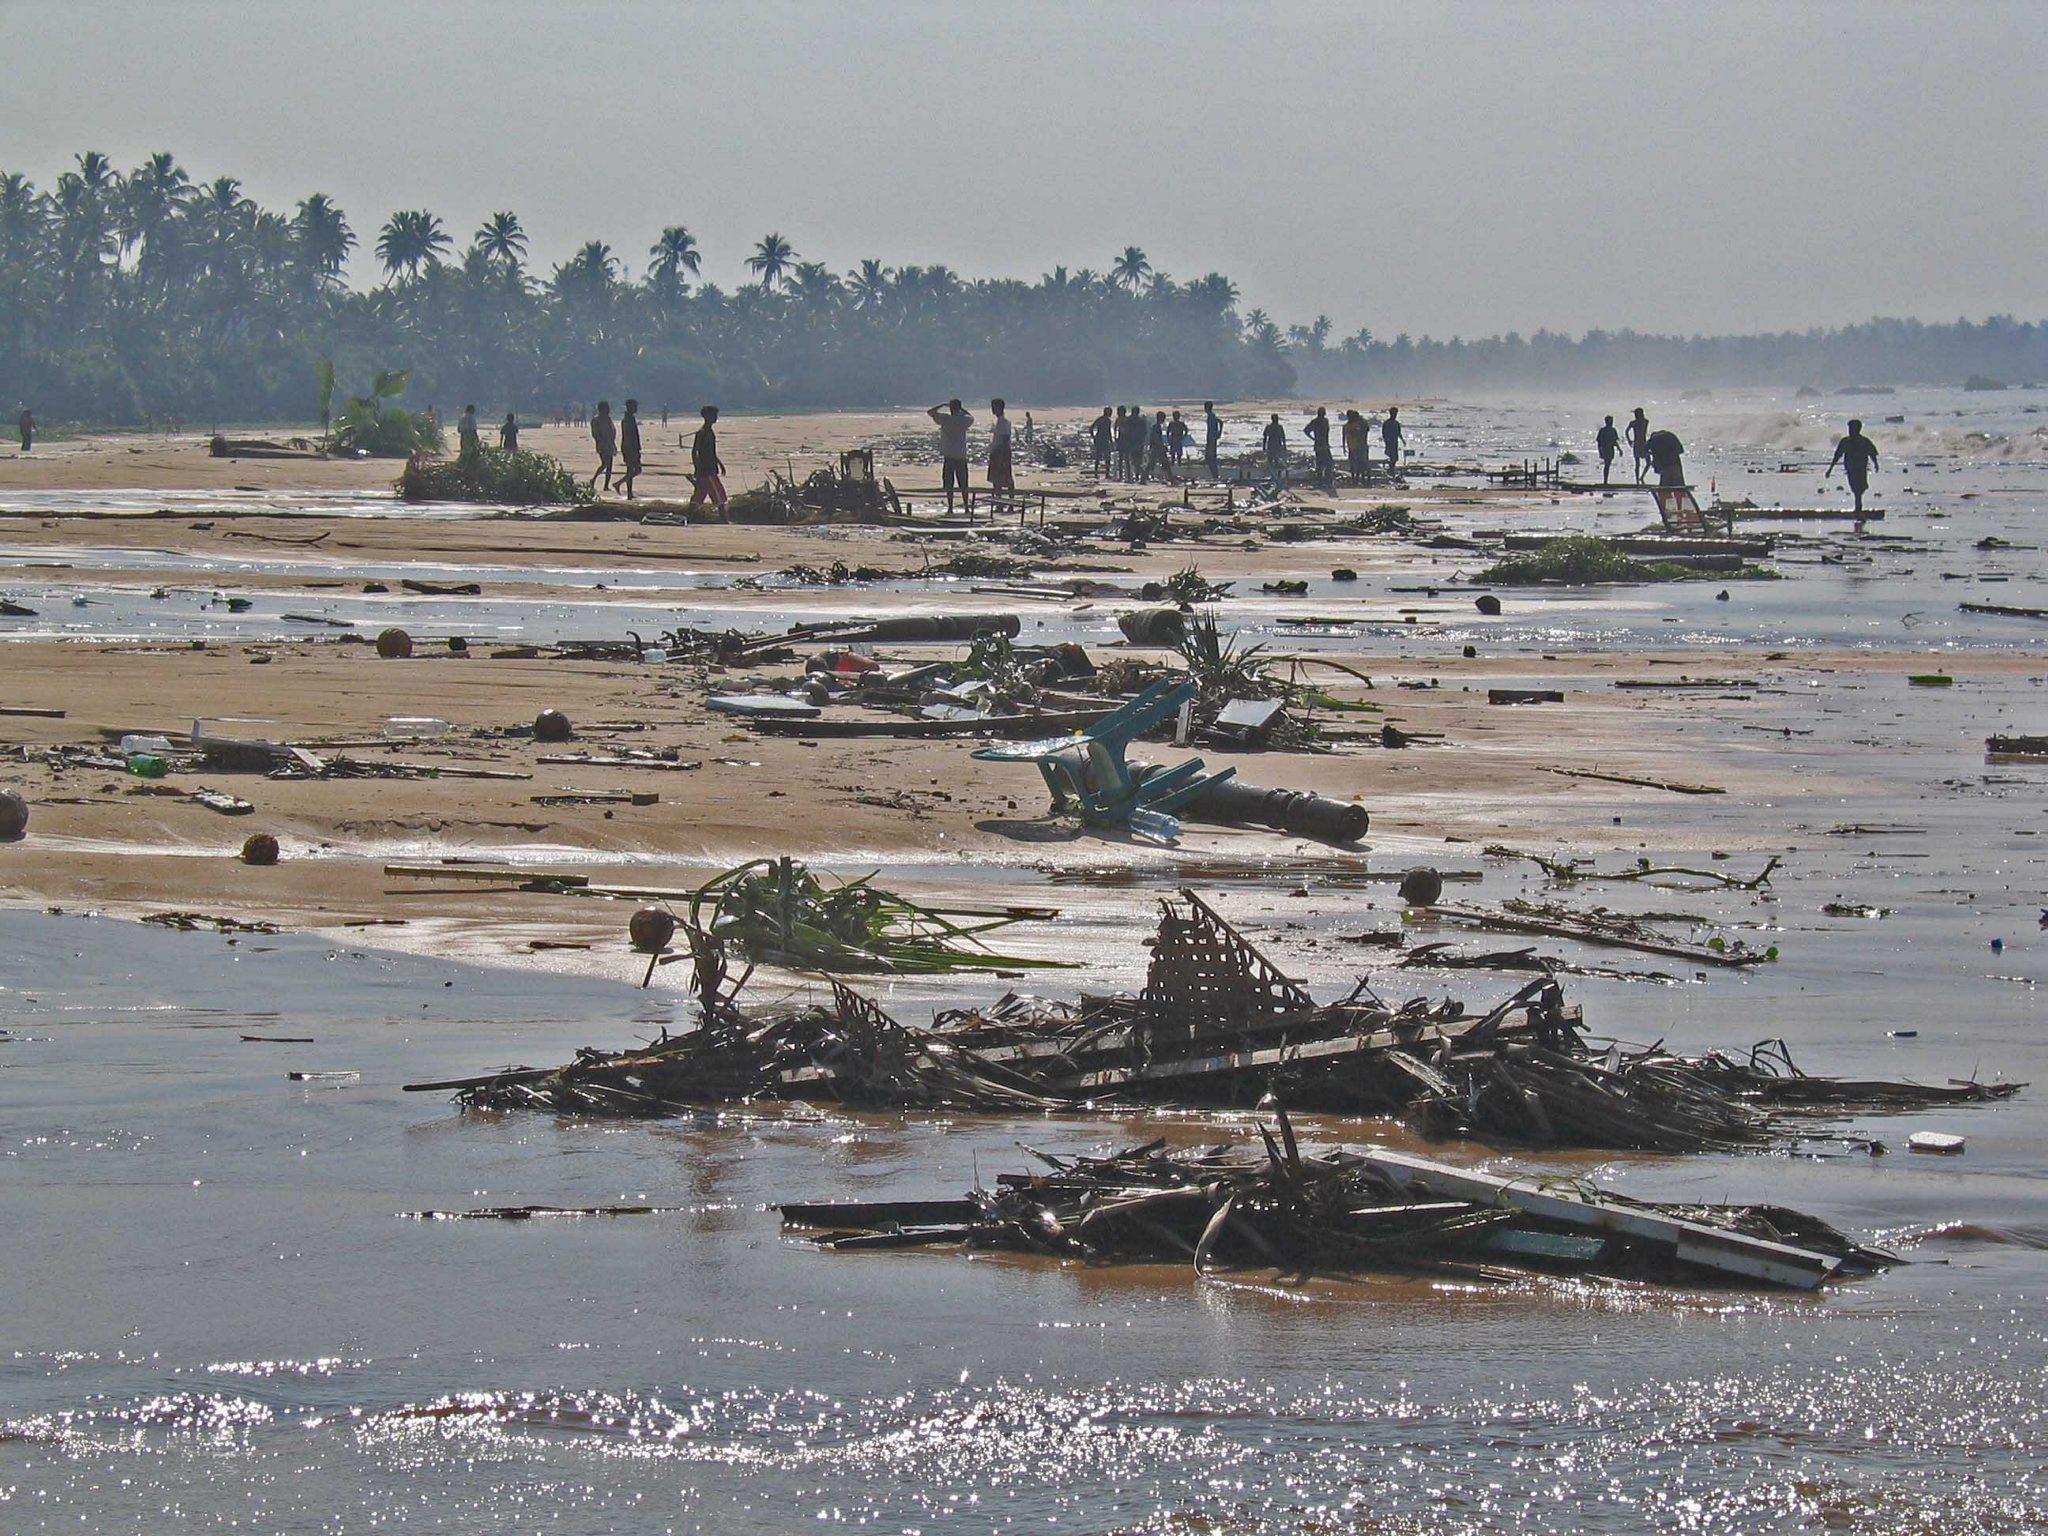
(1129, 446)
(617, 441)
(1662, 452)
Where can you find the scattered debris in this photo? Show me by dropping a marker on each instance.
(1346, 1212)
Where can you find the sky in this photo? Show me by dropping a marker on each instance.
(1431, 167)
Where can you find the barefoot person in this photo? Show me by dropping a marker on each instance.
(1275, 443)
(1318, 433)
(707, 469)
(604, 437)
(1639, 441)
(629, 445)
(1667, 456)
(508, 432)
(1158, 455)
(1102, 439)
(1608, 441)
(1357, 448)
(1857, 455)
(953, 421)
(1392, 436)
(1002, 477)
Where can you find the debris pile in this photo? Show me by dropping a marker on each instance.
(1348, 1212)
(1217, 1024)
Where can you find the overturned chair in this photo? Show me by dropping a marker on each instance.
(1087, 772)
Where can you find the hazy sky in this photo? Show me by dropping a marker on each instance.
(1421, 166)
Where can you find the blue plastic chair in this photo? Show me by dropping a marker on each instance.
(1087, 772)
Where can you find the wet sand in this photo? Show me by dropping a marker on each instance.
(223, 1317)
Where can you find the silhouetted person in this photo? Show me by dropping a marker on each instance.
(468, 441)
(1639, 441)
(707, 469)
(1274, 442)
(1213, 442)
(1608, 441)
(1318, 433)
(1357, 447)
(1102, 436)
(1002, 475)
(629, 444)
(1667, 456)
(1030, 429)
(1134, 444)
(1857, 455)
(26, 422)
(1391, 438)
(1121, 435)
(604, 436)
(508, 432)
(1158, 455)
(953, 422)
(1176, 437)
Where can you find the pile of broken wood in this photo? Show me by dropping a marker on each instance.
(1347, 1212)
(1217, 1024)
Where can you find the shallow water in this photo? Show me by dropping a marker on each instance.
(217, 1317)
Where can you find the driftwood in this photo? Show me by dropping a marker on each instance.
(1345, 1212)
(1216, 1024)
(1676, 787)
(1568, 870)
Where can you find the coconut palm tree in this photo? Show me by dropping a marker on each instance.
(502, 239)
(153, 195)
(322, 237)
(1130, 270)
(675, 254)
(412, 239)
(869, 284)
(814, 284)
(590, 274)
(772, 260)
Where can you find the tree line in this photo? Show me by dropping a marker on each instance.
(147, 295)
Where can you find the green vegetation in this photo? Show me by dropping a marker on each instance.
(490, 474)
(1580, 561)
(378, 425)
(1220, 667)
(777, 912)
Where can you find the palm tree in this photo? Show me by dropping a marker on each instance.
(589, 274)
(814, 284)
(411, 240)
(502, 239)
(22, 212)
(322, 236)
(675, 253)
(771, 260)
(1130, 270)
(152, 196)
(869, 284)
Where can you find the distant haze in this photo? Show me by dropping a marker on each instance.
(1421, 167)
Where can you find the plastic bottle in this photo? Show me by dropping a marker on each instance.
(130, 745)
(147, 765)
(410, 727)
(1156, 825)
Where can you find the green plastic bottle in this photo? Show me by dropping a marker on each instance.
(147, 765)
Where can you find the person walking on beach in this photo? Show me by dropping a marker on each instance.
(469, 442)
(1318, 433)
(508, 432)
(1177, 438)
(604, 436)
(1667, 456)
(1158, 452)
(1275, 444)
(1857, 455)
(1030, 429)
(1639, 441)
(1002, 478)
(1357, 447)
(629, 445)
(1608, 441)
(953, 421)
(26, 423)
(1213, 426)
(707, 469)
(1391, 438)
(1103, 436)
